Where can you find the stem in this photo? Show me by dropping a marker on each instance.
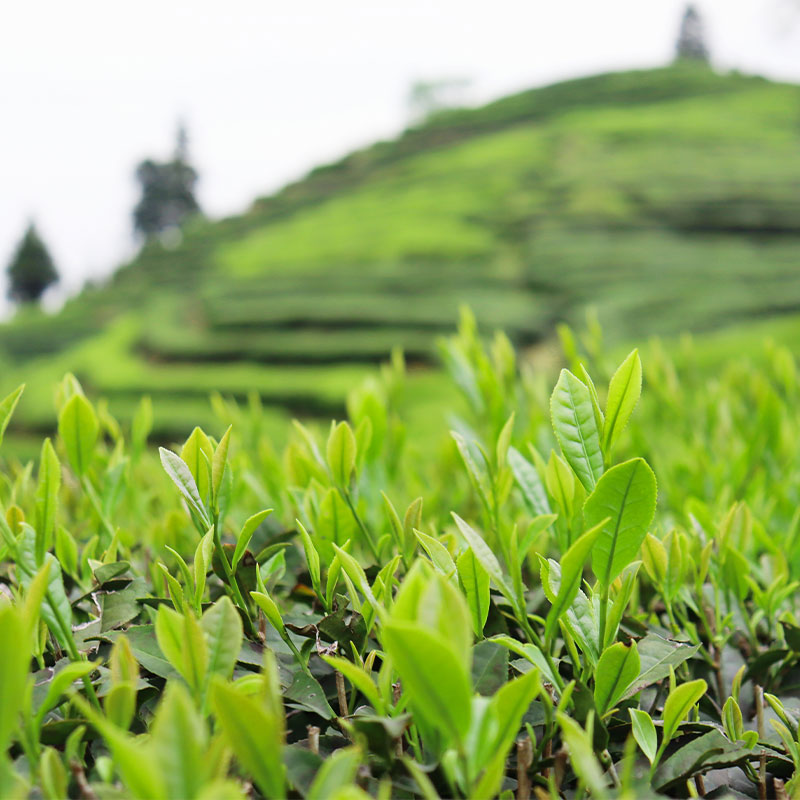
(231, 578)
(361, 525)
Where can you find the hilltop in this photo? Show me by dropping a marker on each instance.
(667, 199)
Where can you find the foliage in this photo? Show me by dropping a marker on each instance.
(31, 269)
(654, 196)
(167, 192)
(525, 610)
(691, 43)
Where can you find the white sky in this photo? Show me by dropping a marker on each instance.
(269, 89)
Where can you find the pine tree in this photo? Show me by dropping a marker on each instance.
(167, 191)
(31, 269)
(691, 45)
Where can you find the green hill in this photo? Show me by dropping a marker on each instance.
(667, 199)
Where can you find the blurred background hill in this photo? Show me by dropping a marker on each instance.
(667, 200)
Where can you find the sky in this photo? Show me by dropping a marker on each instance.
(270, 89)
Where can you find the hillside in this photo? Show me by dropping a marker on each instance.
(669, 200)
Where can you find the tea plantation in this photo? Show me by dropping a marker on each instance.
(283, 514)
(588, 587)
(668, 200)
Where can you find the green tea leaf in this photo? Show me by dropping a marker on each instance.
(197, 454)
(617, 668)
(336, 773)
(582, 758)
(626, 496)
(178, 741)
(571, 575)
(528, 480)
(254, 733)
(181, 476)
(219, 461)
(575, 426)
(246, 534)
(623, 394)
(222, 626)
(439, 554)
(78, 428)
(13, 671)
(7, 406)
(475, 582)
(46, 499)
(678, 704)
(436, 680)
(485, 556)
(341, 454)
(644, 731)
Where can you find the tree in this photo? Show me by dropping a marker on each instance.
(426, 98)
(691, 45)
(31, 269)
(167, 192)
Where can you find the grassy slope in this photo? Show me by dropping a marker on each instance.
(667, 199)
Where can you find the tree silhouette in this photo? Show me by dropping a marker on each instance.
(691, 45)
(31, 269)
(167, 191)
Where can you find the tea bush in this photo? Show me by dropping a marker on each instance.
(577, 592)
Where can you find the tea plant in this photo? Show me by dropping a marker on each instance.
(524, 611)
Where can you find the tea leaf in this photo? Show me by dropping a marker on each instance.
(78, 428)
(623, 394)
(626, 495)
(616, 670)
(575, 426)
(644, 731)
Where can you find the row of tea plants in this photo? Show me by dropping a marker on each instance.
(518, 611)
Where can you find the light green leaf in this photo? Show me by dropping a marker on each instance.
(678, 704)
(475, 582)
(341, 453)
(197, 454)
(616, 670)
(14, 639)
(267, 605)
(7, 407)
(439, 554)
(312, 558)
(623, 394)
(46, 498)
(528, 480)
(336, 772)
(78, 428)
(56, 610)
(255, 734)
(219, 461)
(61, 683)
(436, 679)
(644, 731)
(626, 496)
(510, 703)
(575, 426)
(181, 476)
(246, 534)
(582, 758)
(571, 575)
(486, 557)
(222, 626)
(178, 741)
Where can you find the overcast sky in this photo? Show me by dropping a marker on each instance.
(269, 89)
